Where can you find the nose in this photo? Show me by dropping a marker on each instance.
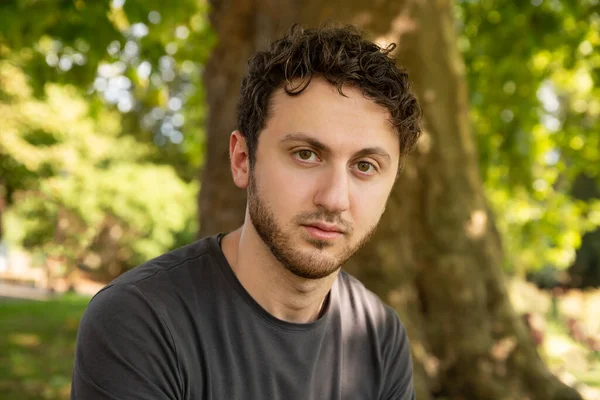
(334, 191)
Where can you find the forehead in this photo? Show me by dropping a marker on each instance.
(345, 123)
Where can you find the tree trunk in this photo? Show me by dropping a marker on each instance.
(436, 256)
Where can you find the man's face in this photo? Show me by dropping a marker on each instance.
(325, 166)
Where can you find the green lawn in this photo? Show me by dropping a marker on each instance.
(37, 344)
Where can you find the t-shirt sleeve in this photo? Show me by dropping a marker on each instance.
(124, 349)
(398, 367)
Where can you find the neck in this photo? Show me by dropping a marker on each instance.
(281, 293)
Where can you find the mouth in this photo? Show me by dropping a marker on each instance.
(323, 231)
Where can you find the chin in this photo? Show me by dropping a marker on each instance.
(321, 245)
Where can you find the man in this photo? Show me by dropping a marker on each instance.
(264, 312)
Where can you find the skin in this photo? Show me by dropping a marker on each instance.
(322, 158)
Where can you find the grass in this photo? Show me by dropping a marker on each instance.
(37, 345)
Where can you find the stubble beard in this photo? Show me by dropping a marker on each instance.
(313, 265)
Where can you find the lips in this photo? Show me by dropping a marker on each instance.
(323, 231)
(326, 227)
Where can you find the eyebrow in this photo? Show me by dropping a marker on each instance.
(369, 151)
(303, 137)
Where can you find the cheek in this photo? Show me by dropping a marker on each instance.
(368, 205)
(288, 191)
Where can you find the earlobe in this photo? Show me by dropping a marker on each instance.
(240, 163)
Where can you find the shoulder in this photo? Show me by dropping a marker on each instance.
(125, 346)
(181, 258)
(355, 298)
(365, 311)
(160, 284)
(144, 298)
(174, 270)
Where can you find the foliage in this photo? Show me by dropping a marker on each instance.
(533, 70)
(144, 57)
(80, 179)
(98, 158)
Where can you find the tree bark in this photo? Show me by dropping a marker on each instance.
(436, 256)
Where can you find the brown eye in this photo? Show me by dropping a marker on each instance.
(305, 154)
(364, 166)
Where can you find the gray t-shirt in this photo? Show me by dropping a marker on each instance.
(183, 327)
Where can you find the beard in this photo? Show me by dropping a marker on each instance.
(315, 264)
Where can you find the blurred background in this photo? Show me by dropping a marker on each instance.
(103, 142)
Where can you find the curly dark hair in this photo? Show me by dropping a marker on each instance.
(342, 56)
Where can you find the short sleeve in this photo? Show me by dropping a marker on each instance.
(398, 367)
(124, 349)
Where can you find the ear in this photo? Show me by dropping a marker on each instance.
(239, 158)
